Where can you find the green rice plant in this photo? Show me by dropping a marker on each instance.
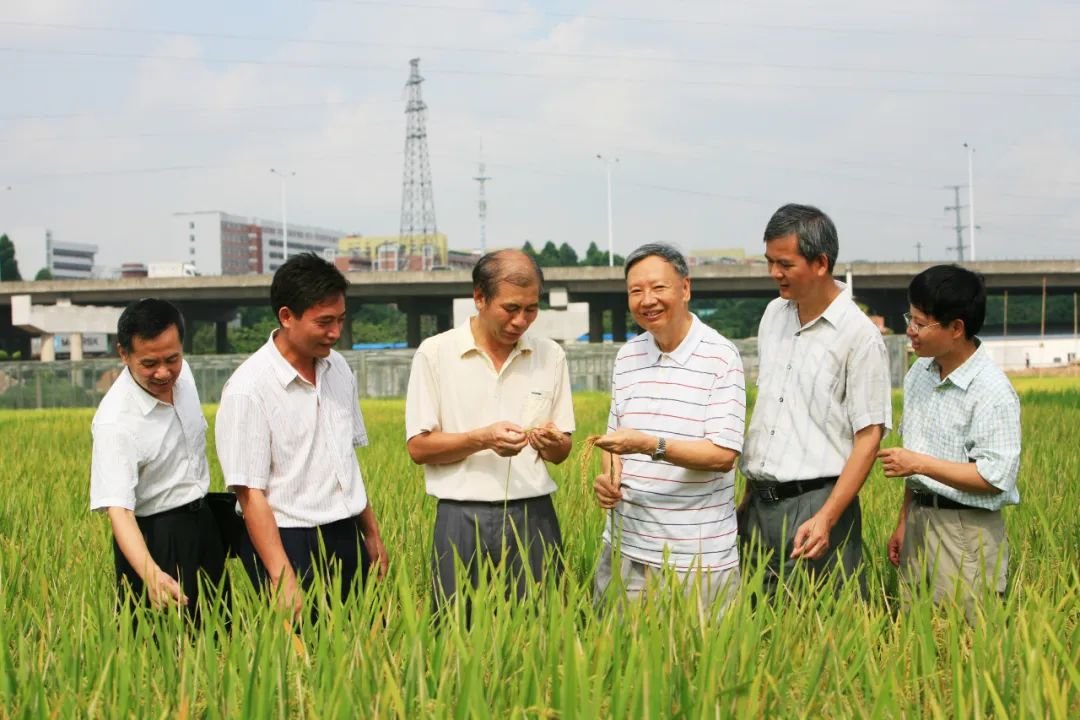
(64, 652)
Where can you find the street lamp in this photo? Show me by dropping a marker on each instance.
(609, 162)
(971, 196)
(284, 175)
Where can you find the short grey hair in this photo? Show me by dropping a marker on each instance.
(666, 252)
(813, 228)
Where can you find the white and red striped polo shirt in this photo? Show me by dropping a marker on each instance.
(695, 392)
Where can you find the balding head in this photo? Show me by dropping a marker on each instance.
(505, 266)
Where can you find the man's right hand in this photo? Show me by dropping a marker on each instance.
(608, 485)
(289, 595)
(163, 590)
(896, 543)
(505, 438)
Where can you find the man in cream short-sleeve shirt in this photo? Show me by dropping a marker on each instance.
(148, 468)
(487, 408)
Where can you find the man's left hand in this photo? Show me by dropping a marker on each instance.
(899, 462)
(545, 437)
(627, 442)
(377, 554)
(812, 538)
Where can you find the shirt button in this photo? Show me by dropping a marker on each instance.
(781, 399)
(772, 432)
(789, 366)
(798, 333)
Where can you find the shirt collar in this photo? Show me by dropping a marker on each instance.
(144, 401)
(962, 376)
(834, 313)
(283, 369)
(686, 348)
(464, 342)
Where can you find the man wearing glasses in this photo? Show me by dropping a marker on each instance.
(961, 452)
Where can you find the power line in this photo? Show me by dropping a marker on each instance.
(532, 75)
(620, 57)
(723, 23)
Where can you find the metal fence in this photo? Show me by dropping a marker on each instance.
(378, 374)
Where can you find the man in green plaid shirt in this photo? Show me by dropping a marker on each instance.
(961, 453)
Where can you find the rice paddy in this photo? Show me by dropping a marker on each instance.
(64, 653)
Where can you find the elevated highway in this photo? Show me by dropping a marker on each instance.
(882, 286)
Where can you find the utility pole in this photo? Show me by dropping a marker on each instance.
(971, 196)
(608, 162)
(418, 229)
(959, 226)
(481, 204)
(918, 252)
(284, 175)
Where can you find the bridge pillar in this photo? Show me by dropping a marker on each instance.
(221, 336)
(76, 345)
(596, 321)
(190, 326)
(48, 348)
(412, 326)
(444, 321)
(618, 323)
(890, 304)
(345, 342)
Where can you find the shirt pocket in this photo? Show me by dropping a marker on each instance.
(537, 409)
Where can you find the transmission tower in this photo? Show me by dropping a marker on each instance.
(481, 200)
(959, 227)
(417, 199)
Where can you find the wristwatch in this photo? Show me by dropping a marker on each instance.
(661, 449)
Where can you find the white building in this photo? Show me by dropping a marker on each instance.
(1033, 351)
(36, 249)
(218, 243)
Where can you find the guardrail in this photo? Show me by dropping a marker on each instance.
(381, 374)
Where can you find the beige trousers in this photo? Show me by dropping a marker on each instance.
(956, 551)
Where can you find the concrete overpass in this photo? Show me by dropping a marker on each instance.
(882, 286)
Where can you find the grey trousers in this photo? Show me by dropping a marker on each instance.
(770, 527)
(516, 538)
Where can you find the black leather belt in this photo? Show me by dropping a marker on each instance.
(933, 500)
(188, 507)
(774, 492)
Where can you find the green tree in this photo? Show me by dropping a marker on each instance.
(595, 257)
(549, 255)
(567, 255)
(43, 274)
(529, 250)
(9, 266)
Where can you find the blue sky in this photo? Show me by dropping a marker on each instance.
(117, 115)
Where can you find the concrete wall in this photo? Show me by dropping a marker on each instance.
(378, 374)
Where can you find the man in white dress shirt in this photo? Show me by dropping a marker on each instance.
(824, 402)
(287, 432)
(148, 469)
(488, 407)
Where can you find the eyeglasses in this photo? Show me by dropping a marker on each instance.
(918, 327)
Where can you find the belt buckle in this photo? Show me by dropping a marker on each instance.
(768, 494)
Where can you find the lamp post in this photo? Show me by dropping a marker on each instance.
(971, 196)
(609, 162)
(284, 175)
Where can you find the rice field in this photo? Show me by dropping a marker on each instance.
(63, 652)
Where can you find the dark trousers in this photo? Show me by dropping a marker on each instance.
(515, 536)
(185, 543)
(771, 526)
(341, 551)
